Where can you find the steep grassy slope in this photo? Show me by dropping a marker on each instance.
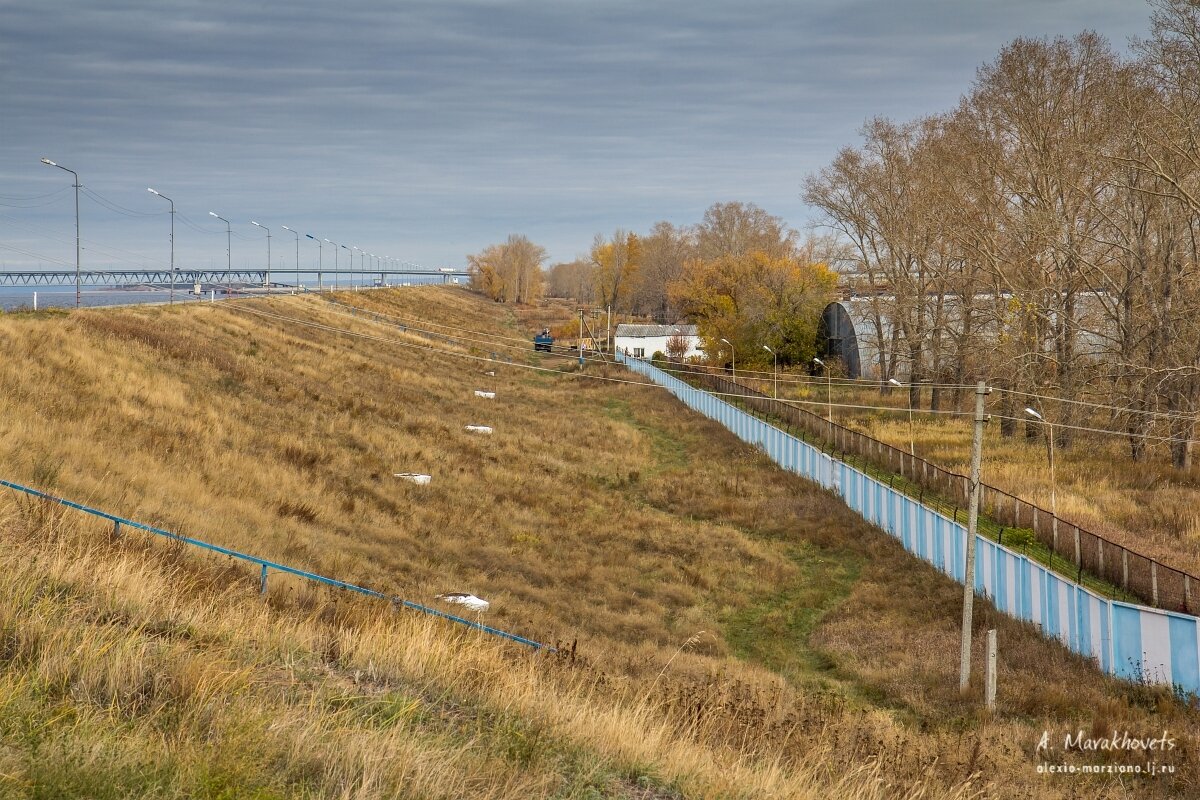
(735, 629)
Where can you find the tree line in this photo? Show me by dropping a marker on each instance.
(1044, 234)
(741, 275)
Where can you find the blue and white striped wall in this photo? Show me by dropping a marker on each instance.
(1134, 642)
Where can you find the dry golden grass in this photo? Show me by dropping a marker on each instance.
(598, 514)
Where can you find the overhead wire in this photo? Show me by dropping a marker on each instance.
(23, 202)
(816, 382)
(35, 196)
(117, 207)
(31, 253)
(113, 253)
(431, 348)
(419, 346)
(523, 347)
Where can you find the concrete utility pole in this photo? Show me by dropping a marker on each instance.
(964, 674)
(608, 336)
(989, 694)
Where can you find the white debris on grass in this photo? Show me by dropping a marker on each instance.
(463, 599)
(479, 429)
(485, 395)
(415, 477)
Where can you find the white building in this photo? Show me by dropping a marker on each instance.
(643, 341)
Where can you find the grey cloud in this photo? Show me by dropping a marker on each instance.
(426, 130)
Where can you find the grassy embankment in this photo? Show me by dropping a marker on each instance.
(738, 631)
(1022, 540)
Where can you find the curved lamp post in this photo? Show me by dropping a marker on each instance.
(289, 230)
(774, 372)
(335, 263)
(172, 202)
(267, 284)
(228, 254)
(320, 259)
(828, 388)
(78, 285)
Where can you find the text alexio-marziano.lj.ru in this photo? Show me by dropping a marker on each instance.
(1119, 742)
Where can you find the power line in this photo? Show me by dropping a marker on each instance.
(430, 348)
(21, 198)
(22, 251)
(116, 207)
(23, 202)
(814, 381)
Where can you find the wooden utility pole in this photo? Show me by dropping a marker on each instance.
(964, 675)
(581, 336)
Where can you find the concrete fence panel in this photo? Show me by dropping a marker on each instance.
(1134, 642)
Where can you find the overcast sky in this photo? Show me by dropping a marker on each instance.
(424, 131)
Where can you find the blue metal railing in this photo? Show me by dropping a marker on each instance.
(272, 565)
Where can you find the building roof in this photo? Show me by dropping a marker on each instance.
(646, 331)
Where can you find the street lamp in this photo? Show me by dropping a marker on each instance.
(912, 447)
(774, 372)
(286, 228)
(320, 258)
(172, 202)
(335, 264)
(350, 254)
(228, 254)
(828, 388)
(267, 284)
(733, 356)
(360, 263)
(78, 285)
(1053, 492)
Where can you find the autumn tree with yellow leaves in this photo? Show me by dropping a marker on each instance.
(616, 263)
(509, 272)
(756, 299)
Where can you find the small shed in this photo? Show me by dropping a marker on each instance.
(643, 341)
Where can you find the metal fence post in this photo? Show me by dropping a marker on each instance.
(116, 528)
(1124, 569)
(262, 585)
(1154, 581)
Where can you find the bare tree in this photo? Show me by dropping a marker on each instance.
(509, 272)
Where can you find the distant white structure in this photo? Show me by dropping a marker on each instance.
(643, 341)
(414, 477)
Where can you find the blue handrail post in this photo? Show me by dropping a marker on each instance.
(262, 583)
(116, 528)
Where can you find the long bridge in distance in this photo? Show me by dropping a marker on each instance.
(221, 277)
